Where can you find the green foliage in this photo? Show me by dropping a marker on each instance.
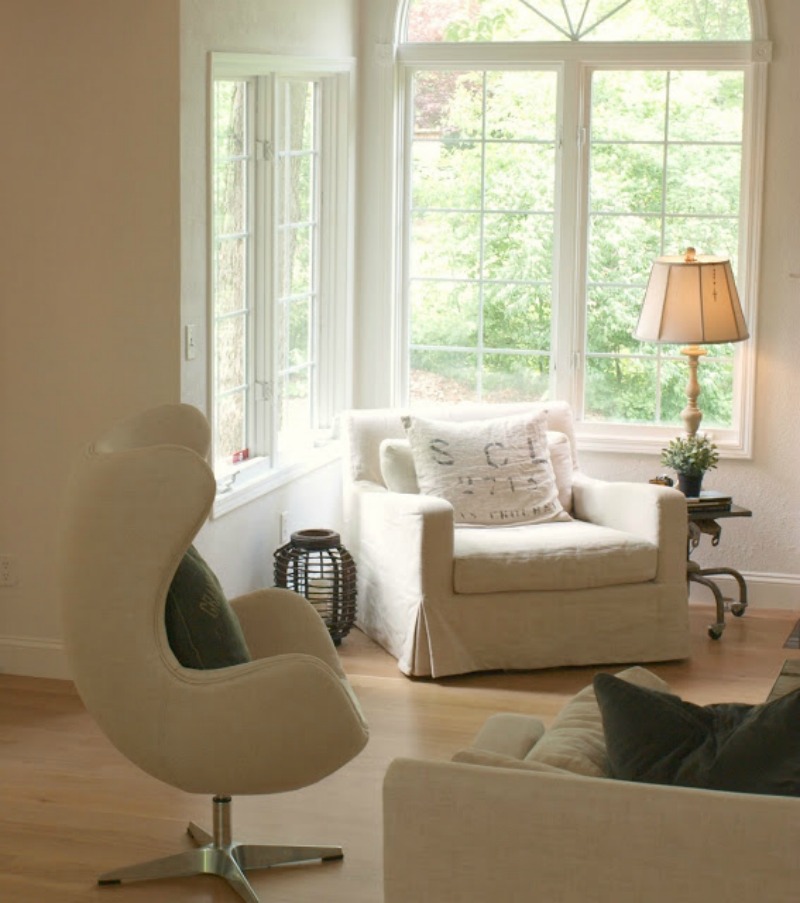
(690, 455)
(483, 196)
(575, 20)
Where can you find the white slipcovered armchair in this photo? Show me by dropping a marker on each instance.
(607, 586)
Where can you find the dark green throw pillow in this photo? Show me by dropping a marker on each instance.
(202, 628)
(659, 738)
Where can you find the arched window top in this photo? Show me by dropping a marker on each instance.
(453, 21)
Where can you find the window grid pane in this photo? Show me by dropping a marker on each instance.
(297, 235)
(231, 284)
(653, 193)
(482, 191)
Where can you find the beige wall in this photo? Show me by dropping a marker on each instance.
(89, 251)
(102, 260)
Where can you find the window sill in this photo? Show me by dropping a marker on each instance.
(269, 480)
(642, 439)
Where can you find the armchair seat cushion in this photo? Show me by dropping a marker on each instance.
(555, 556)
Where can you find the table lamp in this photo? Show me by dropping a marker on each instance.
(693, 300)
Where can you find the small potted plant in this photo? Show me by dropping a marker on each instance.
(690, 457)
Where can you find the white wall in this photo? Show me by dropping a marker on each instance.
(89, 275)
(766, 547)
(240, 544)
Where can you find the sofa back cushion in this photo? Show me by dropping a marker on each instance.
(575, 741)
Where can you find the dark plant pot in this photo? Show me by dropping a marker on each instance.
(690, 485)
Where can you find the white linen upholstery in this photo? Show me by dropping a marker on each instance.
(284, 720)
(495, 472)
(526, 831)
(574, 555)
(525, 813)
(399, 474)
(609, 586)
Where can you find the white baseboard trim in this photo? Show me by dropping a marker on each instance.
(33, 657)
(39, 657)
(780, 591)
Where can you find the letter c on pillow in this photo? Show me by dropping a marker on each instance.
(487, 450)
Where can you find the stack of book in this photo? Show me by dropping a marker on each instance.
(709, 502)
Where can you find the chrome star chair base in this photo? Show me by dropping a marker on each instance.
(218, 855)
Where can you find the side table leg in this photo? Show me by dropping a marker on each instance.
(737, 608)
(714, 630)
(702, 575)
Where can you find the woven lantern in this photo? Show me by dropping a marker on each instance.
(315, 564)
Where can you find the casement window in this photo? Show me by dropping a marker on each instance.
(280, 262)
(551, 150)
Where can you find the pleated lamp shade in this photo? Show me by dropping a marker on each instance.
(691, 300)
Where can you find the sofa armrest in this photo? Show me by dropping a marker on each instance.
(658, 513)
(469, 833)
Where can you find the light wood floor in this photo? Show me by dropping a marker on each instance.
(73, 806)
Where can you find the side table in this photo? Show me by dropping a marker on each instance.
(704, 520)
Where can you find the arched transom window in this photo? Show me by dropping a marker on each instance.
(552, 150)
(578, 20)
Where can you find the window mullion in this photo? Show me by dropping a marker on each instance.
(261, 349)
(569, 278)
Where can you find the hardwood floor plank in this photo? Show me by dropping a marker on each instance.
(75, 806)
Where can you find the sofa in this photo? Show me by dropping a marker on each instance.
(606, 583)
(527, 814)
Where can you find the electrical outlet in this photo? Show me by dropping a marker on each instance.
(8, 570)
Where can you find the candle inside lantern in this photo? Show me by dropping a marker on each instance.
(320, 591)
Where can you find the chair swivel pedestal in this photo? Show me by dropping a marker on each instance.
(218, 854)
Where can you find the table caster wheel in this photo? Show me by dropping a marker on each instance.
(738, 609)
(715, 632)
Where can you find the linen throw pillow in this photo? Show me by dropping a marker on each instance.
(202, 628)
(494, 472)
(399, 474)
(659, 738)
(397, 466)
(575, 740)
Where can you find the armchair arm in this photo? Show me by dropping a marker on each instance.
(279, 621)
(658, 513)
(404, 555)
(400, 529)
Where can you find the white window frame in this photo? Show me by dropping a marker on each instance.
(332, 338)
(576, 61)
